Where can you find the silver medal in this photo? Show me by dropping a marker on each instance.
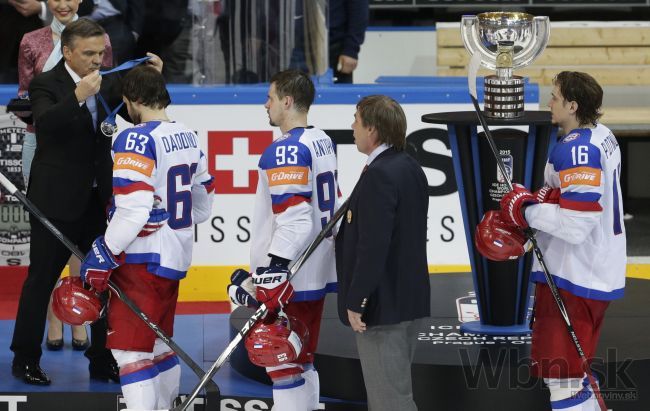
(108, 129)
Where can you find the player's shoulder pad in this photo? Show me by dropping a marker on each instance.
(287, 151)
(576, 150)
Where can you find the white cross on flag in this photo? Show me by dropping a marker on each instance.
(233, 157)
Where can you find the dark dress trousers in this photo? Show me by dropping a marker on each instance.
(381, 258)
(70, 183)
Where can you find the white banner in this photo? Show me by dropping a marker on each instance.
(233, 137)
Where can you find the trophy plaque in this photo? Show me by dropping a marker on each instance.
(505, 41)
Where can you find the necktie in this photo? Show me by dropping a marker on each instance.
(91, 103)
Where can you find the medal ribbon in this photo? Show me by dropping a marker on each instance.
(110, 119)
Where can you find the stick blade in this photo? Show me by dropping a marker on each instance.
(472, 70)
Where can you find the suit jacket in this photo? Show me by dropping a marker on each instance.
(70, 154)
(131, 10)
(12, 27)
(35, 48)
(381, 244)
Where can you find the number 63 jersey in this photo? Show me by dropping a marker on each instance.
(583, 237)
(297, 194)
(158, 164)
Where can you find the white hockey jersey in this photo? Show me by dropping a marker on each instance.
(583, 237)
(163, 160)
(297, 194)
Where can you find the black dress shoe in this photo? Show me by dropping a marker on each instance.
(54, 345)
(30, 373)
(104, 371)
(80, 345)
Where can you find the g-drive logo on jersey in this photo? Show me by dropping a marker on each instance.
(233, 157)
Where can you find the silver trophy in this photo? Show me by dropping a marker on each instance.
(505, 41)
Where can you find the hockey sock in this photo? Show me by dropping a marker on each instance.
(290, 392)
(571, 394)
(169, 371)
(139, 379)
(310, 375)
(292, 397)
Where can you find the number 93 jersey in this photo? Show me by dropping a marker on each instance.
(297, 194)
(158, 164)
(583, 237)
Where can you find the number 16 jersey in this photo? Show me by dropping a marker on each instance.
(297, 194)
(583, 237)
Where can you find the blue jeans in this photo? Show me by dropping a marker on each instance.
(29, 147)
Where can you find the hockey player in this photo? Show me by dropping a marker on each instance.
(297, 194)
(156, 160)
(581, 234)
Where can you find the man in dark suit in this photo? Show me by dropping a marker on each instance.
(381, 256)
(70, 184)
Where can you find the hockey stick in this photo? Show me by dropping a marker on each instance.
(474, 64)
(262, 310)
(11, 188)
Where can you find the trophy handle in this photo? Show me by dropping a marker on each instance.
(470, 34)
(540, 33)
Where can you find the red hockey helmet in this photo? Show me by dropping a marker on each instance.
(276, 343)
(497, 240)
(73, 304)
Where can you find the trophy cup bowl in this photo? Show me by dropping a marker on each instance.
(505, 41)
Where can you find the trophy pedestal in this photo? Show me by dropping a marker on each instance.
(502, 288)
(504, 98)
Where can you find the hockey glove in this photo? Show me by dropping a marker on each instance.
(157, 218)
(98, 265)
(236, 291)
(513, 204)
(547, 195)
(273, 287)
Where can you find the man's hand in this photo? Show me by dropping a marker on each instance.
(273, 287)
(88, 86)
(513, 204)
(236, 291)
(155, 61)
(547, 195)
(355, 321)
(346, 64)
(98, 265)
(26, 7)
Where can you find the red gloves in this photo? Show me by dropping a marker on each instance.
(513, 204)
(547, 195)
(273, 287)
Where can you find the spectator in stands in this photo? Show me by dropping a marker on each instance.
(40, 50)
(15, 21)
(348, 22)
(167, 32)
(123, 21)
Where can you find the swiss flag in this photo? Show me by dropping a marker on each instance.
(233, 157)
